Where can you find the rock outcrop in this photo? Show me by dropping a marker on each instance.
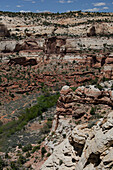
(65, 102)
(85, 148)
(92, 94)
(22, 61)
(97, 152)
(92, 32)
(4, 31)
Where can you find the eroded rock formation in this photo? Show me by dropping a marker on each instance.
(22, 61)
(92, 31)
(4, 31)
(65, 102)
(89, 94)
(85, 148)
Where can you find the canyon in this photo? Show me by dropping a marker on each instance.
(47, 53)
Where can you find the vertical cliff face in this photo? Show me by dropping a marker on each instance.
(92, 31)
(54, 45)
(88, 145)
(4, 31)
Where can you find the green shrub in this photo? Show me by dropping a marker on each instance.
(74, 88)
(77, 122)
(39, 141)
(19, 145)
(27, 148)
(43, 151)
(13, 166)
(35, 148)
(60, 162)
(97, 116)
(28, 155)
(48, 154)
(91, 124)
(92, 111)
(7, 156)
(46, 127)
(1, 123)
(99, 86)
(112, 87)
(64, 135)
(21, 160)
(93, 82)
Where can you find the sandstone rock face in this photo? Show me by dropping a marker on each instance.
(65, 102)
(61, 158)
(91, 94)
(85, 148)
(27, 45)
(91, 91)
(92, 31)
(7, 46)
(97, 151)
(55, 45)
(4, 31)
(22, 61)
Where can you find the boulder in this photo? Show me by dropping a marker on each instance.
(65, 90)
(91, 91)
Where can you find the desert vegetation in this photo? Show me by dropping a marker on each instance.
(42, 54)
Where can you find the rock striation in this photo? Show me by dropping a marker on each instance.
(85, 146)
(92, 94)
(65, 102)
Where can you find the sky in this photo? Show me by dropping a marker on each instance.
(56, 5)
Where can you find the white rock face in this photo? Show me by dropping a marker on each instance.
(85, 149)
(65, 88)
(61, 158)
(7, 45)
(91, 91)
(108, 68)
(107, 84)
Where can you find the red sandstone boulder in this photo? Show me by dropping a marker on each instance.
(80, 90)
(65, 90)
